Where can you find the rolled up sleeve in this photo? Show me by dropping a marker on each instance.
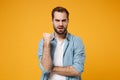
(79, 55)
(40, 50)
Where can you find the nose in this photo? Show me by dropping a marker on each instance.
(61, 23)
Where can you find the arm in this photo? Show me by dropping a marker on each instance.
(46, 57)
(78, 61)
(65, 71)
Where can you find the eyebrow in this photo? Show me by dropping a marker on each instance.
(59, 20)
(64, 20)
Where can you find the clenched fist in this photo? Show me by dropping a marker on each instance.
(47, 37)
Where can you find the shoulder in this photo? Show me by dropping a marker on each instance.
(77, 42)
(75, 38)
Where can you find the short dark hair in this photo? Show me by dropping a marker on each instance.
(60, 9)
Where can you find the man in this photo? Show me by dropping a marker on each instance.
(61, 54)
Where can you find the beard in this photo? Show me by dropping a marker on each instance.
(60, 30)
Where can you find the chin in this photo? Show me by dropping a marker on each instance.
(60, 33)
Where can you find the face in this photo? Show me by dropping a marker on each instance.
(60, 22)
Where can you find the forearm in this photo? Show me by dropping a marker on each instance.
(46, 58)
(65, 71)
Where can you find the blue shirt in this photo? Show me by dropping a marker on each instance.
(73, 55)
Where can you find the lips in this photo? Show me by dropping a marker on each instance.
(60, 27)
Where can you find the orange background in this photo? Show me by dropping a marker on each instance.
(22, 23)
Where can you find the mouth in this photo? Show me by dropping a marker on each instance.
(60, 27)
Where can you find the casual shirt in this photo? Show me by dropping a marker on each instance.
(73, 55)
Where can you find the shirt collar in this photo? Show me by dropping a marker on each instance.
(67, 36)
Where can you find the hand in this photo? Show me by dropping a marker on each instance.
(47, 37)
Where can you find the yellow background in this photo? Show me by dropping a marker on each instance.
(22, 23)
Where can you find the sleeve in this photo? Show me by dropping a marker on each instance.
(79, 55)
(40, 50)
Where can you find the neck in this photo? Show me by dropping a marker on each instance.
(60, 37)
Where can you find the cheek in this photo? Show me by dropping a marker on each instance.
(55, 24)
(65, 24)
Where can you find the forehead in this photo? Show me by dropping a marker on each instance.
(60, 15)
